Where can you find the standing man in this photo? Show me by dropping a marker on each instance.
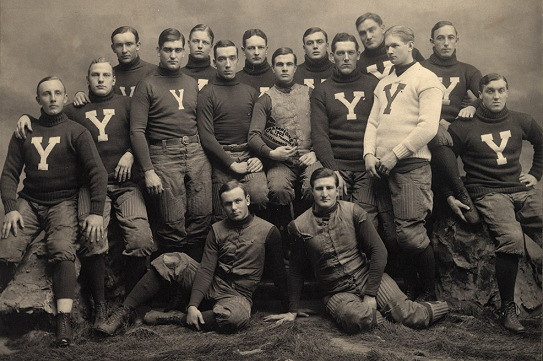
(374, 60)
(199, 64)
(404, 118)
(490, 145)
(340, 243)
(224, 116)
(55, 158)
(222, 285)
(457, 79)
(257, 71)
(165, 141)
(285, 105)
(317, 66)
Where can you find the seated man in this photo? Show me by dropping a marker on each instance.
(348, 258)
(490, 145)
(57, 155)
(222, 285)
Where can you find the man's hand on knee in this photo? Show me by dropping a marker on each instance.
(93, 226)
(12, 221)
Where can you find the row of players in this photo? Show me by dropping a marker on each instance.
(165, 138)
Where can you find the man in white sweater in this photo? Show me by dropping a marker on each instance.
(404, 118)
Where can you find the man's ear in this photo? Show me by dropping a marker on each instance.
(248, 199)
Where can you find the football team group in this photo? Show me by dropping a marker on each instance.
(217, 176)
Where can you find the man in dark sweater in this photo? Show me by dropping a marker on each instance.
(257, 71)
(58, 155)
(224, 116)
(374, 59)
(199, 64)
(490, 145)
(317, 66)
(222, 285)
(348, 257)
(165, 141)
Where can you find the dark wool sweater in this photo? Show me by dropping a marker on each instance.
(340, 108)
(224, 116)
(127, 76)
(490, 145)
(108, 120)
(260, 77)
(201, 70)
(313, 72)
(375, 61)
(457, 78)
(163, 107)
(57, 156)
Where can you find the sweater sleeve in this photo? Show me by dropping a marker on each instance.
(206, 271)
(96, 172)
(427, 125)
(298, 259)
(371, 244)
(320, 129)
(473, 85)
(206, 130)
(9, 181)
(371, 128)
(275, 264)
(535, 136)
(261, 113)
(139, 113)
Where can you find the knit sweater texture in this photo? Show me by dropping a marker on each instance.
(200, 69)
(260, 77)
(127, 76)
(313, 72)
(375, 61)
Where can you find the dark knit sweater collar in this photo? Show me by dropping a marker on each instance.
(339, 77)
(400, 69)
(218, 80)
(168, 72)
(319, 65)
(378, 51)
(324, 213)
(284, 88)
(194, 63)
(441, 61)
(240, 224)
(488, 116)
(51, 120)
(133, 64)
(258, 69)
(98, 99)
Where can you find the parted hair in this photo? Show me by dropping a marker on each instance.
(343, 37)
(283, 51)
(125, 29)
(323, 173)
(314, 30)
(491, 77)
(367, 16)
(252, 32)
(403, 32)
(170, 34)
(48, 78)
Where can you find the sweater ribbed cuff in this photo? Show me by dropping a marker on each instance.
(97, 207)
(401, 151)
(10, 205)
(330, 164)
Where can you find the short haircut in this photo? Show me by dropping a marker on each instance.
(48, 78)
(170, 34)
(230, 185)
(205, 28)
(224, 44)
(441, 24)
(323, 173)
(491, 77)
(252, 32)
(125, 29)
(283, 51)
(367, 16)
(314, 30)
(343, 37)
(97, 61)
(403, 32)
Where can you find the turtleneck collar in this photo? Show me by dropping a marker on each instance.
(240, 224)
(284, 88)
(51, 120)
(400, 69)
(218, 80)
(378, 51)
(134, 63)
(439, 60)
(194, 63)
(341, 78)
(318, 65)
(326, 212)
(99, 99)
(252, 69)
(488, 116)
(168, 72)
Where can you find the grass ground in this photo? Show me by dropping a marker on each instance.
(457, 337)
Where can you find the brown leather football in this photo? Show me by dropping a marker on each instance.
(277, 137)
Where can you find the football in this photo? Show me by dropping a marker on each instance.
(277, 137)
